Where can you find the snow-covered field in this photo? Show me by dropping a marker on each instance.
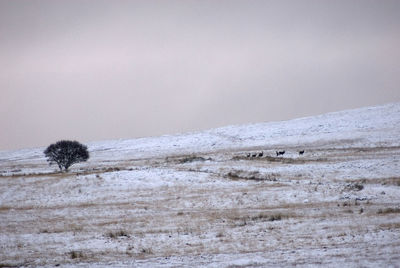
(197, 200)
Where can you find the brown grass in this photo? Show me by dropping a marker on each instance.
(117, 234)
(388, 210)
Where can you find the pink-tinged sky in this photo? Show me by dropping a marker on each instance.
(95, 70)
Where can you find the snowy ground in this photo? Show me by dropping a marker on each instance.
(197, 200)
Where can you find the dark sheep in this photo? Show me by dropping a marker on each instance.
(301, 152)
(254, 155)
(261, 154)
(278, 153)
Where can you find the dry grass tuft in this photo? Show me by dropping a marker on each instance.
(262, 216)
(354, 187)
(74, 254)
(251, 175)
(389, 210)
(117, 234)
(192, 158)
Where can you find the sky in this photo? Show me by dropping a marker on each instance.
(99, 70)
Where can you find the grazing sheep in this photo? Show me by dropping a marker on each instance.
(301, 152)
(254, 155)
(261, 154)
(248, 155)
(278, 153)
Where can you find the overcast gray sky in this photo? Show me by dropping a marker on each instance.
(95, 70)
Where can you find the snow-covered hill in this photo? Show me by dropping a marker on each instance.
(197, 199)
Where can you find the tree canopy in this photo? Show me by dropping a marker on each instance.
(66, 153)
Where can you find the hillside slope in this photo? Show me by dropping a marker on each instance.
(197, 199)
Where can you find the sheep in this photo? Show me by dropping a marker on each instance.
(261, 154)
(301, 152)
(278, 153)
